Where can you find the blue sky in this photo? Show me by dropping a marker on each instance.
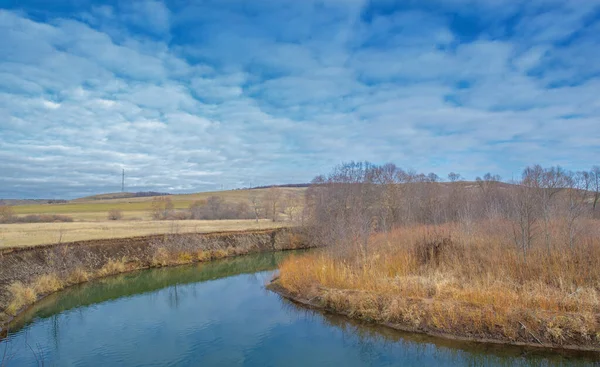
(192, 96)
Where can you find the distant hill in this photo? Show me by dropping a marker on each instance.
(31, 201)
(121, 195)
(286, 185)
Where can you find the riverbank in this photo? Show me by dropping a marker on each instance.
(29, 274)
(320, 303)
(468, 286)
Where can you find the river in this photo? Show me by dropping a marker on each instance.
(219, 314)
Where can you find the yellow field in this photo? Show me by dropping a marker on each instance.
(29, 234)
(136, 208)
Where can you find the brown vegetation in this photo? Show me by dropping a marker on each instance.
(515, 263)
(269, 205)
(7, 216)
(115, 214)
(161, 207)
(216, 208)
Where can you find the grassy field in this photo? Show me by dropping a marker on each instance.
(136, 208)
(30, 234)
(91, 219)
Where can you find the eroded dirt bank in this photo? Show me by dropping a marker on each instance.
(28, 274)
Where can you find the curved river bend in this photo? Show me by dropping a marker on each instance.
(219, 314)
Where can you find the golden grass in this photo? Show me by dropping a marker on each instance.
(78, 276)
(477, 283)
(21, 296)
(113, 267)
(47, 283)
(29, 234)
(203, 255)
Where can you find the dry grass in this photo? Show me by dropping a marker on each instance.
(29, 234)
(47, 283)
(164, 257)
(21, 296)
(476, 282)
(113, 267)
(24, 295)
(78, 276)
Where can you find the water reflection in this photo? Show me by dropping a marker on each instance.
(369, 338)
(220, 314)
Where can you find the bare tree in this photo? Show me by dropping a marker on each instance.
(525, 211)
(491, 198)
(242, 210)
(388, 177)
(432, 177)
(255, 204)
(553, 181)
(595, 185)
(272, 200)
(453, 177)
(292, 206)
(161, 207)
(578, 185)
(196, 209)
(545, 183)
(215, 204)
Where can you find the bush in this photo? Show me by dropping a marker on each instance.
(115, 214)
(161, 208)
(179, 215)
(7, 214)
(216, 208)
(37, 218)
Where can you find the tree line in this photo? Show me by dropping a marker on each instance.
(359, 198)
(273, 204)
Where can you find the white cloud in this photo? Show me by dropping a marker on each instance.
(286, 93)
(50, 105)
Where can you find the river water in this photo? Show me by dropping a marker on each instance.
(219, 314)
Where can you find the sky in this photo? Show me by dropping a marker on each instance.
(191, 96)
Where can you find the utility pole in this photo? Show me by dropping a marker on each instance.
(123, 181)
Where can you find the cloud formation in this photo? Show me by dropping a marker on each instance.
(192, 97)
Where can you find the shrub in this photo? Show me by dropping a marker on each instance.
(78, 276)
(47, 283)
(115, 214)
(113, 267)
(161, 257)
(179, 215)
(42, 218)
(7, 214)
(161, 207)
(21, 296)
(216, 208)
